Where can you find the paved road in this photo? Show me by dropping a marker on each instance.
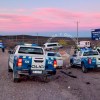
(61, 86)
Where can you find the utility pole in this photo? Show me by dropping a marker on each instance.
(77, 32)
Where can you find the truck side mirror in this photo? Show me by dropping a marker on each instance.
(10, 51)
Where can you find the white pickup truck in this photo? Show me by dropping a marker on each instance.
(30, 60)
(86, 59)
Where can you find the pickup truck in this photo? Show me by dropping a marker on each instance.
(86, 59)
(57, 56)
(30, 60)
(2, 45)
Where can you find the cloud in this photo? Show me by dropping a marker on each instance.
(96, 16)
(55, 13)
(48, 19)
(21, 10)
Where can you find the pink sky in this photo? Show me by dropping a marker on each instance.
(47, 19)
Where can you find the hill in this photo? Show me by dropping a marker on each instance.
(12, 40)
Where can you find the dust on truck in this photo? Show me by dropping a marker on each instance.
(30, 60)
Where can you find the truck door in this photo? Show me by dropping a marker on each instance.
(78, 58)
(11, 57)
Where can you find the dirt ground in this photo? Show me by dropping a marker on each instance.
(67, 84)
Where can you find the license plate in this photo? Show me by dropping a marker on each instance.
(37, 66)
(98, 65)
(37, 72)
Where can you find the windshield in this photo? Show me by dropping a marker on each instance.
(30, 50)
(90, 53)
(49, 45)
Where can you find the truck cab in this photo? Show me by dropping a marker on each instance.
(82, 44)
(50, 46)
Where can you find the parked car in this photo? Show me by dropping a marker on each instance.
(50, 46)
(86, 59)
(2, 45)
(30, 60)
(84, 44)
(57, 56)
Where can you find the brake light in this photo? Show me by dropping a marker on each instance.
(19, 62)
(89, 60)
(55, 63)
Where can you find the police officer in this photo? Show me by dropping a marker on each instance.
(3, 49)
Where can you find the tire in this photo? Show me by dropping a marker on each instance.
(84, 69)
(16, 80)
(16, 77)
(9, 69)
(71, 64)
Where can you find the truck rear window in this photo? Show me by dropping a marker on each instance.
(51, 54)
(30, 50)
(49, 45)
(90, 53)
(54, 54)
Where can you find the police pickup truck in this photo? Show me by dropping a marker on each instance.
(86, 59)
(2, 45)
(30, 60)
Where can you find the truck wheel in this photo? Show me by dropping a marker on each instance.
(9, 69)
(84, 69)
(59, 67)
(16, 77)
(71, 64)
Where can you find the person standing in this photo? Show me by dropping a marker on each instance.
(3, 49)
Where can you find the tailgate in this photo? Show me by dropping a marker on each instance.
(38, 63)
(59, 61)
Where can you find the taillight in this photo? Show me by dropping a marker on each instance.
(89, 60)
(19, 62)
(55, 63)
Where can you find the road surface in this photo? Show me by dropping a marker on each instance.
(61, 87)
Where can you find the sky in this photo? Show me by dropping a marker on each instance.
(47, 17)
